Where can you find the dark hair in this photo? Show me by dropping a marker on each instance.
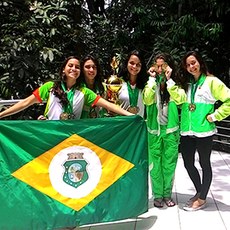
(169, 60)
(183, 75)
(57, 89)
(142, 76)
(98, 78)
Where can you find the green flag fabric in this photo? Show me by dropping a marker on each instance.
(56, 174)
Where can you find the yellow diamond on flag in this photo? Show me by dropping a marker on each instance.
(74, 172)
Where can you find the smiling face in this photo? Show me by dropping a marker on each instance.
(72, 70)
(134, 65)
(89, 70)
(193, 66)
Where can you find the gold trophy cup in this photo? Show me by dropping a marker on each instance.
(113, 83)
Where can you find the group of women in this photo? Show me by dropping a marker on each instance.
(158, 95)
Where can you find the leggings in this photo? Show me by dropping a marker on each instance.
(203, 145)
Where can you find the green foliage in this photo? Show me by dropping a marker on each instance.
(37, 35)
(153, 26)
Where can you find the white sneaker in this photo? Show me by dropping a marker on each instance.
(190, 208)
(192, 199)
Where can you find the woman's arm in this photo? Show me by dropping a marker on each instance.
(222, 93)
(21, 105)
(176, 93)
(112, 107)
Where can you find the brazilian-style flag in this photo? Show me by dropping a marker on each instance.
(56, 174)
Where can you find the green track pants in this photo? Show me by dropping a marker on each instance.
(163, 154)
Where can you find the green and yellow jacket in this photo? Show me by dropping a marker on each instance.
(151, 98)
(209, 90)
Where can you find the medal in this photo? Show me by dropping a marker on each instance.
(133, 99)
(93, 113)
(68, 109)
(192, 107)
(133, 109)
(66, 116)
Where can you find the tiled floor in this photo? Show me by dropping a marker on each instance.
(216, 216)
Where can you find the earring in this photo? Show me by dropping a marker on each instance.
(63, 75)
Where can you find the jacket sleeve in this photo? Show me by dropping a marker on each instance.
(177, 94)
(149, 91)
(222, 93)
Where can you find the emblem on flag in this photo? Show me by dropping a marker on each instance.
(73, 172)
(75, 169)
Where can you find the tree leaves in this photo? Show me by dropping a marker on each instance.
(37, 35)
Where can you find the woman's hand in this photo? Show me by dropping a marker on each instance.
(209, 118)
(41, 117)
(168, 72)
(152, 71)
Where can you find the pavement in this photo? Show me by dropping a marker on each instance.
(215, 216)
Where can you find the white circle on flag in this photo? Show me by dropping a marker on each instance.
(57, 171)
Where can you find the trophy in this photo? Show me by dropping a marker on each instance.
(113, 83)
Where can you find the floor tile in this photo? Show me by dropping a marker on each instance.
(214, 217)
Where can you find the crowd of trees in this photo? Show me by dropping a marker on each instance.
(36, 35)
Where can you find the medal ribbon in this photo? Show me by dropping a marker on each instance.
(161, 80)
(70, 94)
(133, 95)
(195, 86)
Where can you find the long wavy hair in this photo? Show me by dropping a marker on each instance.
(57, 89)
(183, 76)
(142, 76)
(98, 78)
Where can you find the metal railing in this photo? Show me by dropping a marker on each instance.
(25, 114)
(9, 102)
(222, 137)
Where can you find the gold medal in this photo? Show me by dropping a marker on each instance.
(93, 113)
(164, 67)
(192, 107)
(66, 116)
(133, 109)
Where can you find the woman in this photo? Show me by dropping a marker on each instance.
(198, 94)
(65, 97)
(92, 79)
(134, 75)
(163, 130)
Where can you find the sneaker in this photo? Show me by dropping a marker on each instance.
(191, 208)
(192, 199)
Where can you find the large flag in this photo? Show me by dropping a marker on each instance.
(56, 174)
